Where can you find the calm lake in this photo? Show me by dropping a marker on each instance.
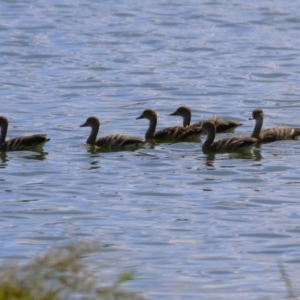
(191, 225)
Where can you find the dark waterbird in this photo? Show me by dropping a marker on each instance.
(175, 133)
(232, 144)
(33, 142)
(115, 141)
(271, 134)
(221, 125)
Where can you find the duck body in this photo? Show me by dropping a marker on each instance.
(178, 133)
(271, 134)
(115, 141)
(175, 133)
(30, 142)
(221, 125)
(119, 141)
(232, 144)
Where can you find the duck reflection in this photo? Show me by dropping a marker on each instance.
(210, 157)
(3, 157)
(36, 155)
(254, 155)
(94, 165)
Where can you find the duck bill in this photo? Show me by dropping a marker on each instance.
(140, 117)
(83, 125)
(174, 114)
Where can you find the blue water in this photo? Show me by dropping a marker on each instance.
(192, 226)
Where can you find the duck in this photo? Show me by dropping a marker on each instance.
(271, 134)
(221, 125)
(232, 144)
(177, 133)
(33, 142)
(115, 141)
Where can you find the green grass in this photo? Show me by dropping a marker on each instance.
(59, 274)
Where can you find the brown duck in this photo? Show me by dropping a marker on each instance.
(221, 125)
(177, 133)
(30, 142)
(232, 144)
(115, 141)
(271, 134)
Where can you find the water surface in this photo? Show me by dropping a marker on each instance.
(193, 226)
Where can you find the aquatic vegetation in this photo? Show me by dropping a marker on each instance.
(59, 274)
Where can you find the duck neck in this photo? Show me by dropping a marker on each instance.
(257, 128)
(92, 138)
(151, 130)
(209, 139)
(186, 120)
(3, 133)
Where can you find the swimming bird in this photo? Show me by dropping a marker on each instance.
(221, 125)
(232, 144)
(30, 142)
(115, 141)
(178, 133)
(271, 134)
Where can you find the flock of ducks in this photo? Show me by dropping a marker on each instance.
(185, 132)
